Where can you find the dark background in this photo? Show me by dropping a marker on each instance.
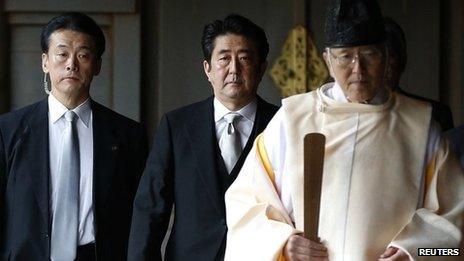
(153, 61)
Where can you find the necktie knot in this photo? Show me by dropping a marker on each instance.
(70, 116)
(231, 120)
(232, 117)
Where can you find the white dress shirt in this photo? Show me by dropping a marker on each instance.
(56, 125)
(245, 124)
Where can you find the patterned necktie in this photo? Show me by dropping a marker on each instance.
(230, 143)
(66, 213)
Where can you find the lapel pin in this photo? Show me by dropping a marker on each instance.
(114, 147)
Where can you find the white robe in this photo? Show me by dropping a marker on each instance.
(379, 188)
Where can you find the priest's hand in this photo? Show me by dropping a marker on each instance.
(394, 254)
(299, 248)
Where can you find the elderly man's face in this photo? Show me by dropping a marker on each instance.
(235, 70)
(359, 70)
(71, 62)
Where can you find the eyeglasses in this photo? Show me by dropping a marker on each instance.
(345, 60)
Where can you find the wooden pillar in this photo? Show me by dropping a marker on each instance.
(150, 17)
(4, 59)
(452, 54)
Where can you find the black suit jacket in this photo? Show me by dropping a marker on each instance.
(119, 156)
(440, 112)
(182, 169)
(456, 139)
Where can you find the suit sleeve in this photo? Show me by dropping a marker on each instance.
(442, 114)
(154, 199)
(2, 189)
(140, 151)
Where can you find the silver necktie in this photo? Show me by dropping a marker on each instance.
(64, 238)
(230, 143)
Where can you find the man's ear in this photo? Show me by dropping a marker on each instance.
(207, 69)
(328, 64)
(45, 63)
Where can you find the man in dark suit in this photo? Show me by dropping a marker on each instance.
(199, 149)
(398, 56)
(69, 167)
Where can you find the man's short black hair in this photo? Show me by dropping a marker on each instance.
(74, 21)
(395, 41)
(234, 24)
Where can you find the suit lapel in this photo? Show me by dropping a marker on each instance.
(264, 113)
(201, 134)
(263, 116)
(105, 149)
(35, 143)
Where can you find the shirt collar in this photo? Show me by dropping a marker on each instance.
(248, 111)
(338, 93)
(57, 110)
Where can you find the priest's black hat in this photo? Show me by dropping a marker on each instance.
(353, 23)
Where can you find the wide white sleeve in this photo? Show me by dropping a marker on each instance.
(438, 222)
(258, 224)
